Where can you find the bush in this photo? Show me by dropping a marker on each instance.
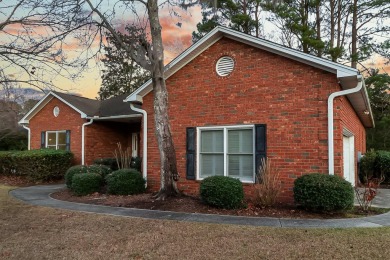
(322, 192)
(109, 162)
(125, 182)
(382, 164)
(222, 192)
(100, 169)
(367, 166)
(86, 183)
(71, 172)
(375, 164)
(36, 165)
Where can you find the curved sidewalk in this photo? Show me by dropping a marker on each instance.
(40, 195)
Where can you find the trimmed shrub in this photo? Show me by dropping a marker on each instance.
(100, 169)
(367, 166)
(222, 192)
(109, 162)
(382, 164)
(71, 172)
(375, 164)
(36, 165)
(125, 182)
(86, 183)
(322, 192)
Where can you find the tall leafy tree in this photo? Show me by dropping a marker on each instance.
(121, 74)
(342, 30)
(241, 15)
(378, 86)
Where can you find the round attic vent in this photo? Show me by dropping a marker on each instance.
(225, 66)
(56, 111)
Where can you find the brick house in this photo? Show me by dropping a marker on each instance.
(234, 98)
(89, 128)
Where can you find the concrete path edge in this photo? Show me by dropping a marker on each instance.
(40, 196)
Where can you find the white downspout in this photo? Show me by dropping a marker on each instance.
(330, 120)
(144, 139)
(83, 140)
(29, 136)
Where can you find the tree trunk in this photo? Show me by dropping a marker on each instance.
(354, 53)
(168, 168)
(318, 25)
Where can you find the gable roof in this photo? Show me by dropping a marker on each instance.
(86, 107)
(347, 76)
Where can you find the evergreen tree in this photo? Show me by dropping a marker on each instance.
(378, 86)
(121, 74)
(243, 16)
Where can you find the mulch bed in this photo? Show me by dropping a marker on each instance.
(194, 205)
(183, 203)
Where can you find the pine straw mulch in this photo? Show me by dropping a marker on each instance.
(191, 204)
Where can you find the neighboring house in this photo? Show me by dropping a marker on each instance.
(235, 98)
(89, 128)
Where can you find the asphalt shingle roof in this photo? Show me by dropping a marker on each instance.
(102, 108)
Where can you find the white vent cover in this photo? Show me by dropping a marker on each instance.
(56, 111)
(225, 66)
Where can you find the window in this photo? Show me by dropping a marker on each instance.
(56, 140)
(226, 151)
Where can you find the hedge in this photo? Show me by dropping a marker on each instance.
(109, 162)
(36, 165)
(222, 192)
(322, 192)
(86, 183)
(375, 164)
(125, 182)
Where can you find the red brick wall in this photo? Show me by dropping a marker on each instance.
(264, 88)
(68, 119)
(101, 138)
(345, 117)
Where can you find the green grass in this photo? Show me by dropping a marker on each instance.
(34, 232)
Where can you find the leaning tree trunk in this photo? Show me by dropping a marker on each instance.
(168, 168)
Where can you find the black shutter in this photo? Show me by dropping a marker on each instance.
(260, 145)
(68, 140)
(43, 139)
(190, 153)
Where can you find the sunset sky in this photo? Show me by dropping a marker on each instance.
(176, 39)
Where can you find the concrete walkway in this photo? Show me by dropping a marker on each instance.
(40, 195)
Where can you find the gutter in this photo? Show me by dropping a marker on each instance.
(29, 135)
(83, 140)
(144, 140)
(359, 86)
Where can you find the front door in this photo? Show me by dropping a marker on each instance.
(349, 159)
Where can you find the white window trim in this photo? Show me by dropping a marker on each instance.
(47, 138)
(225, 129)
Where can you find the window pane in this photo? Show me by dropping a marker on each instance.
(61, 138)
(51, 139)
(240, 166)
(211, 164)
(61, 147)
(212, 141)
(240, 141)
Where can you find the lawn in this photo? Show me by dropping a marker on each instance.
(31, 232)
